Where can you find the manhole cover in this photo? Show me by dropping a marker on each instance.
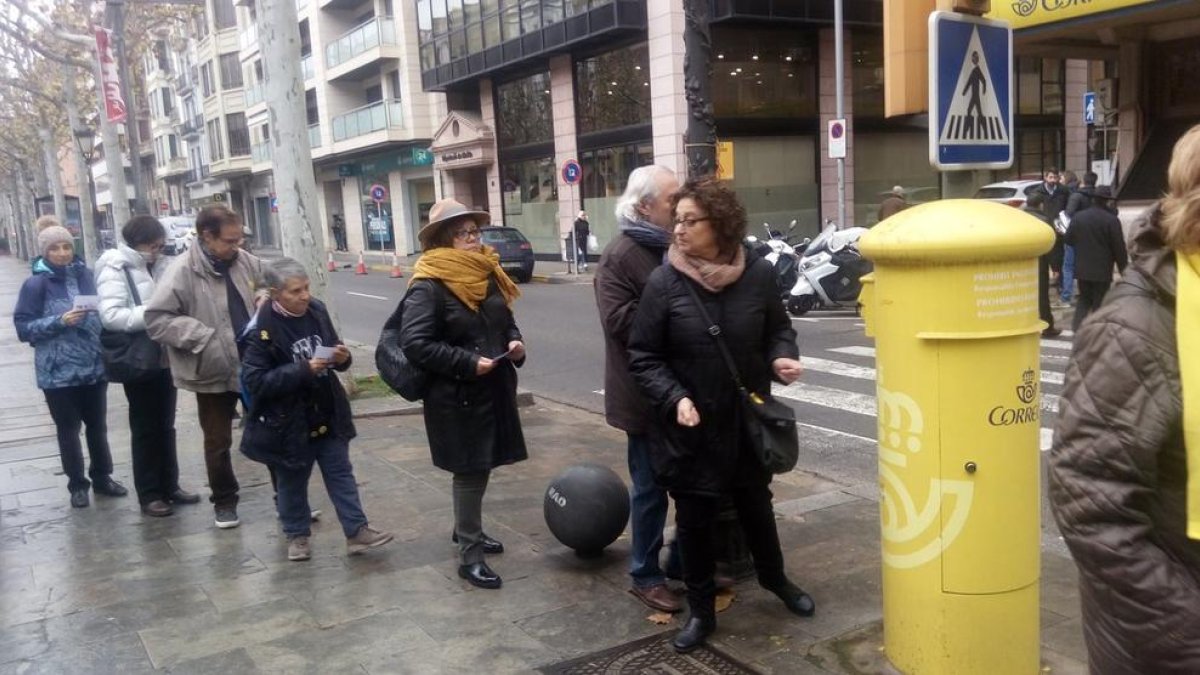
(651, 655)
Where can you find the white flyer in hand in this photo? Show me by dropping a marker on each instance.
(324, 353)
(87, 303)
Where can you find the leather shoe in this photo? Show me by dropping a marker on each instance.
(181, 496)
(1051, 332)
(157, 509)
(490, 546)
(479, 574)
(109, 488)
(694, 634)
(657, 597)
(79, 499)
(795, 599)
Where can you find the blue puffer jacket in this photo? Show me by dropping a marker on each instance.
(64, 356)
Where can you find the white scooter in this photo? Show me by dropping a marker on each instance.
(831, 271)
(779, 251)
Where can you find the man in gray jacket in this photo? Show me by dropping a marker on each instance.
(644, 215)
(197, 311)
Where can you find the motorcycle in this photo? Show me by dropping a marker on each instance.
(778, 250)
(831, 269)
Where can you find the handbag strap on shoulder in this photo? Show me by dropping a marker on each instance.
(714, 330)
(137, 299)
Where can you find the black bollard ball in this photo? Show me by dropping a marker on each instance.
(586, 508)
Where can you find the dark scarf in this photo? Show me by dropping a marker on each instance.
(646, 234)
(238, 315)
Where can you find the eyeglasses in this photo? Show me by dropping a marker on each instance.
(472, 233)
(690, 222)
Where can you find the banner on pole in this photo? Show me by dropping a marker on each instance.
(110, 80)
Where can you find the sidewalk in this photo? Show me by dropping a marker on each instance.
(104, 590)
(544, 271)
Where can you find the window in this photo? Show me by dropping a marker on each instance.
(239, 134)
(160, 56)
(613, 90)
(454, 10)
(168, 102)
(231, 72)
(373, 93)
(224, 15)
(866, 70)
(530, 197)
(310, 107)
(523, 111)
(764, 74)
(206, 79)
(173, 146)
(531, 16)
(576, 7)
(1039, 86)
(216, 150)
(510, 20)
(552, 11)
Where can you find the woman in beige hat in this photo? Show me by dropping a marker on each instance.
(458, 325)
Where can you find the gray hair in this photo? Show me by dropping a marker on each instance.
(641, 188)
(277, 272)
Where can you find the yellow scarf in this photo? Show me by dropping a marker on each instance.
(1187, 332)
(466, 274)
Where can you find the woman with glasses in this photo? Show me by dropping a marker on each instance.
(125, 280)
(458, 325)
(677, 364)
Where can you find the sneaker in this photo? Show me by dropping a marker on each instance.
(315, 515)
(227, 518)
(367, 537)
(299, 548)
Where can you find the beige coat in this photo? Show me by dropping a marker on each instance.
(189, 315)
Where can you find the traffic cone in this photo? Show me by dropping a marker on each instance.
(361, 267)
(396, 273)
(329, 265)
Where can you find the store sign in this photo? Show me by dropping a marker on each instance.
(348, 170)
(724, 160)
(1027, 13)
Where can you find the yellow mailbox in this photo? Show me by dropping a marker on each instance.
(954, 312)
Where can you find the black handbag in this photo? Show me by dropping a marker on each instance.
(769, 424)
(403, 376)
(130, 357)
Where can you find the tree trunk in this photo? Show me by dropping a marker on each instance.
(25, 215)
(112, 160)
(701, 137)
(53, 174)
(87, 210)
(114, 19)
(295, 183)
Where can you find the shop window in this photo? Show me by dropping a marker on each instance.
(613, 90)
(376, 216)
(605, 174)
(530, 196)
(523, 111)
(764, 74)
(883, 160)
(866, 73)
(776, 179)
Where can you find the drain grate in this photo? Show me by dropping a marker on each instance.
(653, 654)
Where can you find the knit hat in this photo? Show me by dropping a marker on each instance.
(53, 235)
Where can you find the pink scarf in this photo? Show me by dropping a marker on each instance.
(712, 276)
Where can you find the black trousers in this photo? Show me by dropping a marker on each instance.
(152, 437)
(1044, 312)
(695, 517)
(1091, 295)
(71, 407)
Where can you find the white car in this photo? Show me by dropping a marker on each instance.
(181, 230)
(1011, 192)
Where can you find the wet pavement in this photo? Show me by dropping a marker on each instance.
(106, 590)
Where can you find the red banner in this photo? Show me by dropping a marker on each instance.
(110, 80)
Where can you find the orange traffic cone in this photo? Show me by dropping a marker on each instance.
(329, 265)
(361, 267)
(396, 273)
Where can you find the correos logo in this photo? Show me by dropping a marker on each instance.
(1028, 413)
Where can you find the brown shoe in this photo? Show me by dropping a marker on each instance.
(657, 597)
(157, 509)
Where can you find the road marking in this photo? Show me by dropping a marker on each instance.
(599, 391)
(855, 351)
(366, 295)
(1047, 438)
(1058, 344)
(805, 319)
(835, 432)
(837, 368)
(838, 399)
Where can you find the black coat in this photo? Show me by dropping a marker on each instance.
(472, 422)
(671, 355)
(279, 389)
(1099, 243)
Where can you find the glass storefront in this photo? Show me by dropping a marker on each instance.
(883, 160)
(376, 216)
(776, 179)
(523, 111)
(605, 173)
(866, 73)
(612, 90)
(764, 74)
(530, 195)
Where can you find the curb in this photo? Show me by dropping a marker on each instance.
(404, 408)
(561, 278)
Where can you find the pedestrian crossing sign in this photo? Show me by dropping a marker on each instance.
(970, 92)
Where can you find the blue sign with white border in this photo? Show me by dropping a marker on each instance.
(1089, 108)
(970, 92)
(572, 172)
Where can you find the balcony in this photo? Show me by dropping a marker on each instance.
(381, 116)
(260, 153)
(253, 94)
(248, 38)
(307, 68)
(314, 135)
(192, 127)
(172, 168)
(369, 35)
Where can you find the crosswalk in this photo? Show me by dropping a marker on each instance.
(837, 392)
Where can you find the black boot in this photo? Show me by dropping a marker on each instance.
(694, 634)
(794, 598)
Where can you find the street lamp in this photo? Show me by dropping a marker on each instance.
(85, 139)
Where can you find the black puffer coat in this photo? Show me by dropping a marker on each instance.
(472, 422)
(279, 389)
(671, 355)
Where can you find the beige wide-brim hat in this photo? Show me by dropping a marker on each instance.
(445, 212)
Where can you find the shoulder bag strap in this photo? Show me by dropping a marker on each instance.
(137, 299)
(714, 330)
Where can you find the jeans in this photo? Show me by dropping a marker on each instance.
(152, 437)
(1068, 274)
(647, 516)
(333, 456)
(70, 408)
(1091, 296)
(216, 423)
(468, 489)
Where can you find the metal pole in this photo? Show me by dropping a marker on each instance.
(839, 89)
(115, 17)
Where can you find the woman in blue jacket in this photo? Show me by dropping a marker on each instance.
(67, 359)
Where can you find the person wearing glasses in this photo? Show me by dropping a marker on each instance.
(677, 364)
(458, 325)
(196, 313)
(125, 280)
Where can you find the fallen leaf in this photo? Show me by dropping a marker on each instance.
(725, 597)
(660, 618)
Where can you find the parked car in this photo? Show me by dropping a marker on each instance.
(181, 230)
(516, 253)
(1011, 192)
